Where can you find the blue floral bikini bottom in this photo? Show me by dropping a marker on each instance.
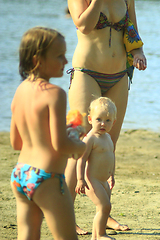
(26, 179)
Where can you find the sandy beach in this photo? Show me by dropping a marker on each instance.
(135, 197)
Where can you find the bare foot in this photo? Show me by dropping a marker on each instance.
(121, 227)
(113, 224)
(80, 231)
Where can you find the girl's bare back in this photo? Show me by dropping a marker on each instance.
(33, 101)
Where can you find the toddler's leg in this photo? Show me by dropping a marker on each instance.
(29, 217)
(101, 198)
(57, 209)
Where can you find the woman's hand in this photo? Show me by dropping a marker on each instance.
(139, 59)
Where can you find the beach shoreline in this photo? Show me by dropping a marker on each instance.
(135, 197)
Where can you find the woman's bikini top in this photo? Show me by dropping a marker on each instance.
(103, 22)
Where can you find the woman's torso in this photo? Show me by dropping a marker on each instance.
(33, 125)
(103, 49)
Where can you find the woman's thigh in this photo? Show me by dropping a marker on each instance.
(83, 90)
(57, 208)
(71, 176)
(119, 95)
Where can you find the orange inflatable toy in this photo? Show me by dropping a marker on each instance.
(75, 118)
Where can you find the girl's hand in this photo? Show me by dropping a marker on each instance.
(76, 133)
(80, 188)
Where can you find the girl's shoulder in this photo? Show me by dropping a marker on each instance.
(17, 93)
(55, 93)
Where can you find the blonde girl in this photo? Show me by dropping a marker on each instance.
(38, 130)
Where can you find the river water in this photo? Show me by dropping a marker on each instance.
(17, 16)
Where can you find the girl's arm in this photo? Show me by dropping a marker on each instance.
(15, 138)
(85, 15)
(57, 122)
(139, 60)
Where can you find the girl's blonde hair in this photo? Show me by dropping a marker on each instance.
(105, 103)
(35, 42)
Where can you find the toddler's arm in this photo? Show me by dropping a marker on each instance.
(81, 183)
(111, 180)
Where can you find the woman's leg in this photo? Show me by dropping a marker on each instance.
(57, 209)
(82, 91)
(71, 176)
(113, 224)
(119, 95)
(29, 217)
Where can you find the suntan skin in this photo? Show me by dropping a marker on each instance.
(100, 165)
(93, 53)
(38, 130)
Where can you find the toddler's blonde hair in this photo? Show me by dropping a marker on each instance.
(105, 103)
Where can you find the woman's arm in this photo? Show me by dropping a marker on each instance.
(85, 15)
(132, 12)
(139, 60)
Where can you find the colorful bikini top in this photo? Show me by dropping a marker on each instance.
(103, 22)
